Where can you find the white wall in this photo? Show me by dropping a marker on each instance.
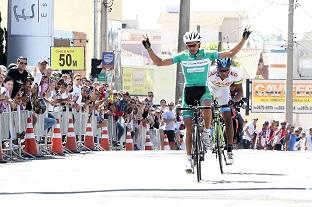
(209, 34)
(169, 34)
(274, 59)
(230, 28)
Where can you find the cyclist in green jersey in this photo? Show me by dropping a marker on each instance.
(195, 64)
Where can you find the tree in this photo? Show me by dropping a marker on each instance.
(3, 45)
(214, 46)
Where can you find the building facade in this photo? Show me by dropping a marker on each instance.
(77, 16)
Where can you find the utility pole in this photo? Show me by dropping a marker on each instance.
(95, 29)
(220, 41)
(290, 64)
(184, 26)
(103, 26)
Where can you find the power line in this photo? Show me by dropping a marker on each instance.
(256, 15)
(304, 10)
(304, 47)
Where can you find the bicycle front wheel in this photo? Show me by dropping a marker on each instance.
(197, 153)
(219, 150)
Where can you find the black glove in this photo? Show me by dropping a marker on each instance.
(246, 32)
(244, 100)
(231, 103)
(146, 43)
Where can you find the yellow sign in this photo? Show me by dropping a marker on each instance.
(137, 81)
(269, 96)
(68, 58)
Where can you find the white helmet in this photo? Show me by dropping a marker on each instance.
(3, 69)
(192, 36)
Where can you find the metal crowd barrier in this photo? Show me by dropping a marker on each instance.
(15, 122)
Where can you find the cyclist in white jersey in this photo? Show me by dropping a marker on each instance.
(221, 78)
(195, 64)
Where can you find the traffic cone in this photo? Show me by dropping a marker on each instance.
(57, 145)
(166, 143)
(1, 154)
(129, 141)
(148, 143)
(71, 143)
(31, 146)
(89, 140)
(104, 141)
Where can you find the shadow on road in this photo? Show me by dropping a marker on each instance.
(268, 174)
(29, 159)
(232, 181)
(152, 190)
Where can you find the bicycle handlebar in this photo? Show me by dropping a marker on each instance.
(238, 104)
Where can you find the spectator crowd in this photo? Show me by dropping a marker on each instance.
(275, 135)
(46, 91)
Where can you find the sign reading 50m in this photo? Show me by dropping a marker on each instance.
(68, 58)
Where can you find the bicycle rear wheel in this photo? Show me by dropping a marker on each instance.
(220, 153)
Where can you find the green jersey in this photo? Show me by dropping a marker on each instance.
(195, 67)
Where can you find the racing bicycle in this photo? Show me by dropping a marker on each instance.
(198, 148)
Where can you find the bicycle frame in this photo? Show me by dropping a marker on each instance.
(218, 126)
(218, 136)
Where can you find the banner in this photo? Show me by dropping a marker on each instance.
(108, 60)
(269, 96)
(31, 17)
(68, 58)
(137, 81)
(102, 77)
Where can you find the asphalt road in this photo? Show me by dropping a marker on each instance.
(157, 178)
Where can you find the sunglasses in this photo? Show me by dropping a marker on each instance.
(191, 45)
(223, 71)
(22, 63)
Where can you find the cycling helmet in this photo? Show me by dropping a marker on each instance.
(224, 63)
(192, 36)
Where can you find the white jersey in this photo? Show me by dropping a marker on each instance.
(221, 88)
(216, 82)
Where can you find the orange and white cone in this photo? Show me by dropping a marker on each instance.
(104, 141)
(57, 145)
(1, 154)
(129, 141)
(166, 143)
(71, 143)
(31, 146)
(89, 139)
(148, 143)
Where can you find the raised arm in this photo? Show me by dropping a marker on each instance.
(231, 53)
(157, 60)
